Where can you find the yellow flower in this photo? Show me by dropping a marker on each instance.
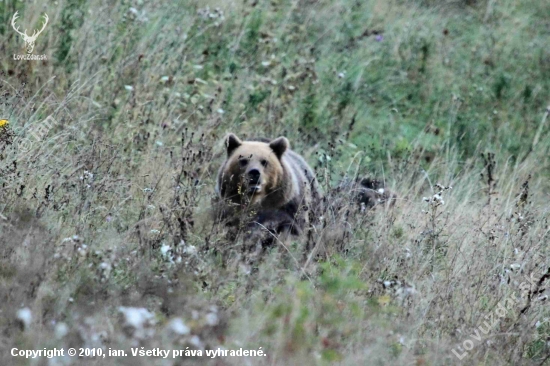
(384, 300)
(4, 123)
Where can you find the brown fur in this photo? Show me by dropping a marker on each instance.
(286, 193)
(285, 188)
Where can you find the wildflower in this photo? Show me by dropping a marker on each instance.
(129, 87)
(190, 249)
(4, 123)
(379, 38)
(178, 326)
(61, 330)
(25, 317)
(211, 319)
(384, 300)
(135, 321)
(437, 199)
(164, 249)
(82, 250)
(196, 341)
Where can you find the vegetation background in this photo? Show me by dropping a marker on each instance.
(106, 236)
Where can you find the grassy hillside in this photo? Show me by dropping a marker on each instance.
(107, 168)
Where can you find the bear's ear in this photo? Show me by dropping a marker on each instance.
(231, 143)
(279, 146)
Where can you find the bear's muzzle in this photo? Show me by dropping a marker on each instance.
(254, 181)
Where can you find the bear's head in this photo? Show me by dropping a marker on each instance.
(253, 168)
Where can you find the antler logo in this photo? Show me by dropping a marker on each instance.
(29, 40)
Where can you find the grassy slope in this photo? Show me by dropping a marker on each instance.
(413, 91)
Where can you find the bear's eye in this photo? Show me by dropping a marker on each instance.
(264, 163)
(243, 162)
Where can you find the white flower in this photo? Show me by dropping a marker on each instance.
(190, 249)
(177, 326)
(164, 249)
(136, 319)
(61, 330)
(196, 341)
(24, 316)
(128, 87)
(211, 319)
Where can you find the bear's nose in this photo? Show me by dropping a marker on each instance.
(254, 175)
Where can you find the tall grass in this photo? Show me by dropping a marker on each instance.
(111, 208)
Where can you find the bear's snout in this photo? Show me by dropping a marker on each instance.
(254, 176)
(254, 180)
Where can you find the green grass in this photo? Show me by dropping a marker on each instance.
(112, 207)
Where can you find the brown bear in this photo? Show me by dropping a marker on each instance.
(372, 192)
(270, 179)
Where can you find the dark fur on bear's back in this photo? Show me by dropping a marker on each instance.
(372, 192)
(288, 196)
